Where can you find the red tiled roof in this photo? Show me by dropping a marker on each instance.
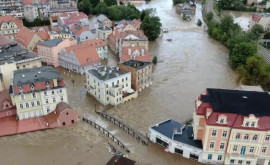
(24, 36)
(54, 18)
(27, 2)
(37, 28)
(78, 29)
(213, 118)
(64, 15)
(79, 15)
(96, 42)
(4, 40)
(71, 21)
(17, 21)
(125, 56)
(44, 35)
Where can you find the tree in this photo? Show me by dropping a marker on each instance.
(209, 16)
(155, 60)
(199, 22)
(151, 27)
(257, 30)
(148, 12)
(240, 38)
(226, 23)
(241, 52)
(101, 8)
(85, 6)
(122, 12)
(266, 35)
(253, 73)
(94, 3)
(110, 2)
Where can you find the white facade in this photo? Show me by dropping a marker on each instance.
(33, 11)
(109, 91)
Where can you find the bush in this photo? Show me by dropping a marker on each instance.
(36, 22)
(199, 22)
(155, 60)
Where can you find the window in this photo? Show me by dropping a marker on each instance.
(243, 150)
(33, 104)
(27, 105)
(60, 90)
(264, 150)
(45, 93)
(222, 146)
(22, 97)
(48, 109)
(54, 100)
(224, 134)
(246, 137)
(212, 144)
(214, 133)
(21, 106)
(209, 156)
(219, 157)
(232, 161)
(61, 98)
(221, 121)
(253, 124)
(240, 161)
(38, 103)
(126, 78)
(267, 138)
(255, 137)
(63, 123)
(67, 113)
(248, 162)
(251, 150)
(235, 147)
(247, 124)
(122, 79)
(52, 92)
(237, 136)
(34, 95)
(47, 101)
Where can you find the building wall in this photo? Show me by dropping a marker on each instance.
(9, 29)
(29, 64)
(265, 22)
(107, 23)
(102, 52)
(135, 43)
(33, 42)
(103, 34)
(7, 72)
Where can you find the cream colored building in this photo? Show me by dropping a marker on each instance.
(37, 91)
(261, 19)
(109, 85)
(10, 26)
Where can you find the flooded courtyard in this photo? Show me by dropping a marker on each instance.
(188, 64)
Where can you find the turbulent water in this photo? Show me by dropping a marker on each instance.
(187, 65)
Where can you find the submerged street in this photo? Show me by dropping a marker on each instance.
(187, 65)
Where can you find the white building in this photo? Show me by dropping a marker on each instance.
(33, 11)
(109, 85)
(176, 138)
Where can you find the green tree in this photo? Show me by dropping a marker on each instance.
(231, 4)
(266, 35)
(199, 22)
(226, 23)
(257, 30)
(151, 27)
(240, 38)
(209, 16)
(101, 8)
(253, 73)
(241, 52)
(94, 3)
(122, 12)
(148, 12)
(110, 2)
(155, 60)
(85, 6)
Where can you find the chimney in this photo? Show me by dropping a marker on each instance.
(142, 51)
(208, 112)
(175, 130)
(55, 83)
(129, 51)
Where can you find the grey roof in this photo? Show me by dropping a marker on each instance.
(101, 17)
(30, 76)
(136, 64)
(15, 53)
(185, 134)
(105, 73)
(51, 43)
(104, 28)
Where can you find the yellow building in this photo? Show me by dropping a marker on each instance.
(37, 91)
(27, 38)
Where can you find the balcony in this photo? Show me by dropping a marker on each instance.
(129, 95)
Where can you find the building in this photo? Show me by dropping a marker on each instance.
(54, 22)
(63, 3)
(234, 126)
(141, 73)
(135, 53)
(69, 19)
(117, 40)
(81, 33)
(10, 26)
(253, 2)
(36, 92)
(6, 106)
(49, 50)
(103, 21)
(36, 10)
(39, 29)
(61, 32)
(27, 39)
(261, 19)
(128, 25)
(101, 47)
(109, 85)
(13, 57)
(176, 138)
(120, 160)
(103, 32)
(79, 58)
(58, 11)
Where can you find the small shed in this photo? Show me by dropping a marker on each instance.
(120, 160)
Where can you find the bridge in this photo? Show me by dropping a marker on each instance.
(106, 132)
(137, 135)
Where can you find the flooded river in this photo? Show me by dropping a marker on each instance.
(187, 65)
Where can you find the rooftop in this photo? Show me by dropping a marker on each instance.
(101, 17)
(15, 53)
(51, 43)
(105, 73)
(31, 76)
(120, 160)
(136, 64)
(238, 102)
(184, 134)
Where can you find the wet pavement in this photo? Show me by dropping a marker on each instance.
(188, 64)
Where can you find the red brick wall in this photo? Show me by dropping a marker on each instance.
(133, 75)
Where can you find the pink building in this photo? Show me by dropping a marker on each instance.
(49, 50)
(234, 126)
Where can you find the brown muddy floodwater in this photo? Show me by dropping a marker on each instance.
(187, 65)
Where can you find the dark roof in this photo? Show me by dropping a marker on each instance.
(238, 102)
(109, 72)
(104, 28)
(185, 134)
(15, 53)
(136, 64)
(31, 76)
(51, 43)
(120, 160)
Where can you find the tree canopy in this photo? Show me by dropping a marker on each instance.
(85, 6)
(257, 30)
(151, 27)
(101, 8)
(110, 2)
(123, 12)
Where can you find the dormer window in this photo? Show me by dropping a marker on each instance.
(253, 124)
(222, 119)
(250, 121)
(20, 89)
(32, 87)
(247, 124)
(47, 84)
